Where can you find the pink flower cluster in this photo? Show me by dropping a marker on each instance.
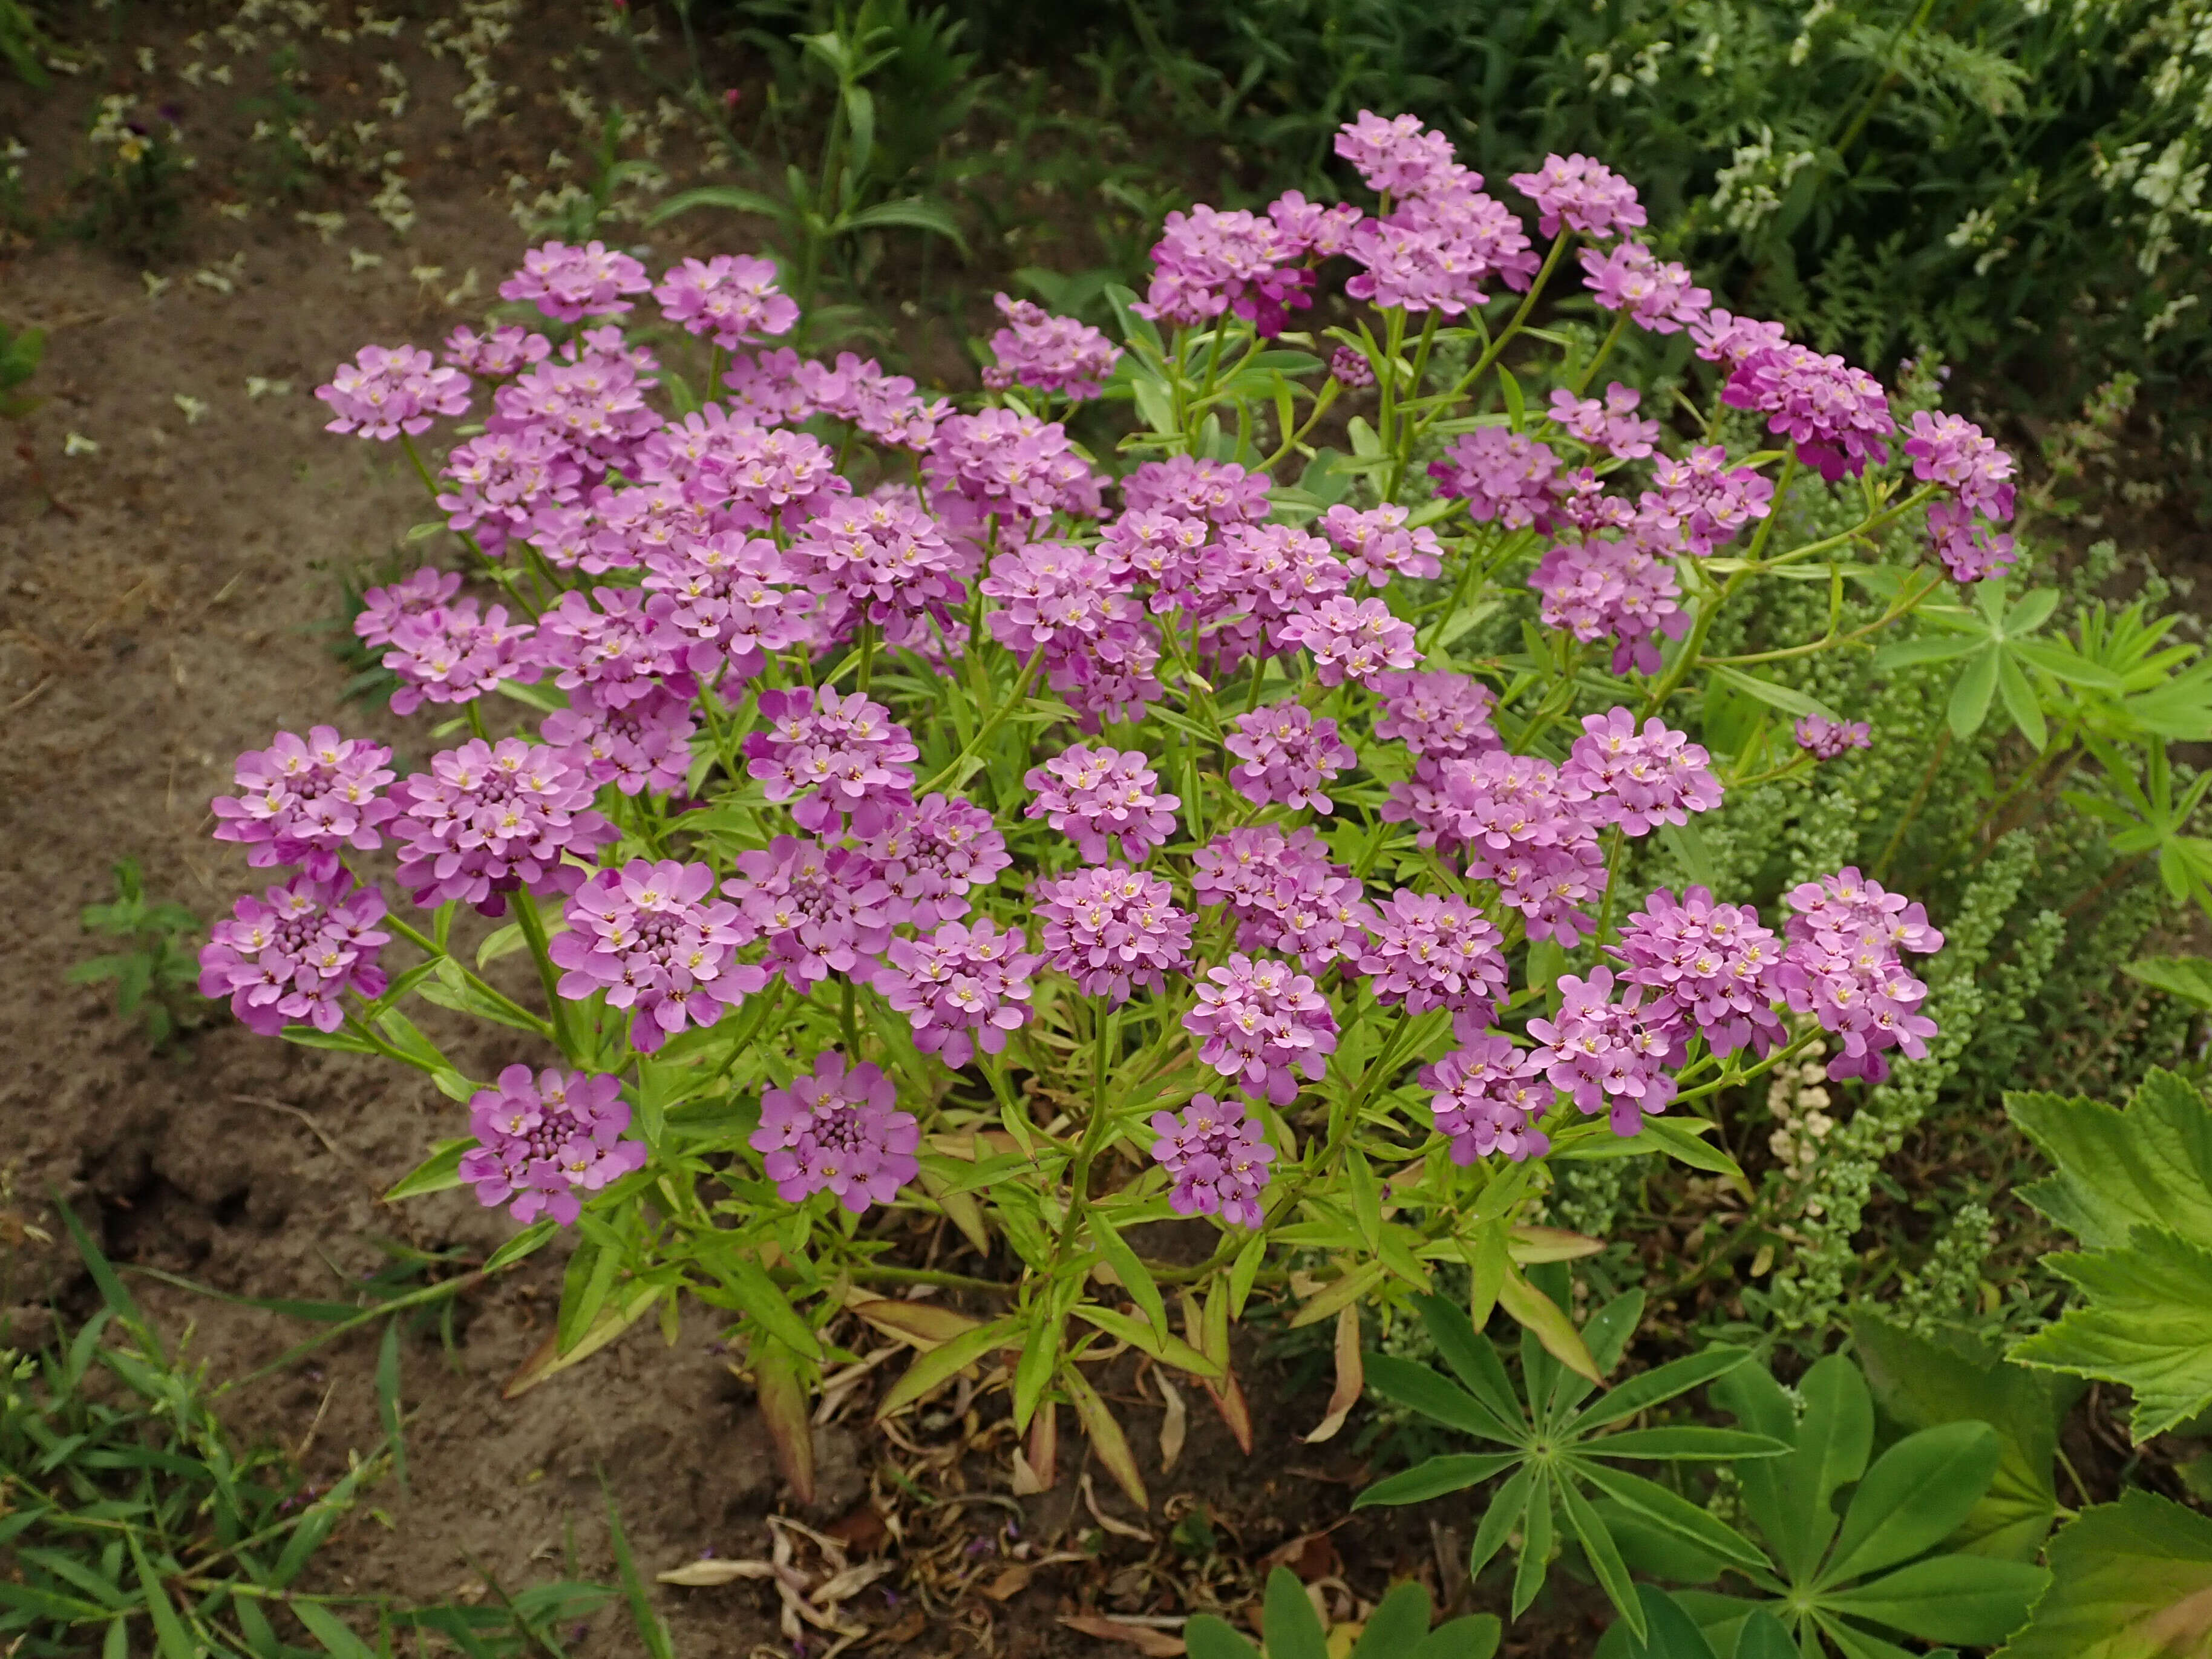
(837, 1130)
(1607, 1056)
(1107, 801)
(291, 953)
(1953, 454)
(1443, 239)
(387, 391)
(1439, 715)
(1285, 893)
(1826, 739)
(1488, 1096)
(1612, 425)
(1262, 1025)
(307, 801)
(1656, 294)
(834, 756)
(1503, 476)
(487, 819)
(1112, 929)
(733, 298)
(960, 987)
(1216, 1158)
(931, 854)
(1433, 952)
(1843, 968)
(1208, 262)
(1378, 546)
(649, 938)
(1351, 640)
(570, 283)
(823, 910)
(1287, 756)
(544, 1140)
(1705, 965)
(1047, 352)
(1837, 416)
(1573, 193)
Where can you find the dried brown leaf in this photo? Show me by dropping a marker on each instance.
(1153, 1643)
(1351, 1377)
(703, 1575)
(1175, 1423)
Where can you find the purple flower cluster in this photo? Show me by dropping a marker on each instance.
(487, 819)
(1488, 1096)
(388, 391)
(837, 1131)
(959, 987)
(1287, 756)
(1837, 416)
(1285, 893)
(726, 592)
(1105, 800)
(1611, 1057)
(1843, 967)
(1352, 639)
(502, 352)
(1015, 466)
(823, 910)
(885, 407)
(1575, 193)
(1068, 603)
(731, 297)
(1377, 546)
(835, 756)
(620, 644)
(1439, 715)
(505, 484)
(305, 801)
(545, 1140)
(1700, 502)
(1503, 476)
(1217, 1160)
(1826, 739)
(1601, 587)
(1262, 1025)
(1638, 780)
(1443, 239)
(1208, 262)
(1251, 583)
(1112, 929)
(1953, 453)
(1713, 964)
(1612, 425)
(570, 283)
(1349, 368)
(881, 558)
(652, 940)
(1656, 294)
(1183, 486)
(291, 953)
(1050, 353)
(645, 745)
(931, 854)
(1432, 952)
(450, 652)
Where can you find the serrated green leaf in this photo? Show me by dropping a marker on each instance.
(2149, 1163)
(2143, 1318)
(2130, 1580)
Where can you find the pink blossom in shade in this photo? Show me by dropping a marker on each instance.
(960, 987)
(1440, 715)
(835, 756)
(1287, 755)
(1263, 1025)
(1638, 779)
(1350, 368)
(1048, 353)
(618, 642)
(1847, 902)
(1611, 1057)
(766, 387)
(1575, 192)
(1657, 293)
(452, 654)
(570, 283)
(1826, 739)
(1700, 502)
(1479, 235)
(1220, 492)
(1951, 451)
(594, 404)
(645, 745)
(487, 818)
(1112, 677)
(1488, 1096)
(496, 354)
(1502, 476)
(1721, 336)
(1430, 952)
(775, 479)
(652, 939)
(1553, 888)
(731, 298)
(1715, 962)
(837, 1131)
(1618, 589)
(881, 558)
(823, 910)
(545, 1140)
(931, 854)
(1207, 262)
(1111, 930)
(291, 954)
(1492, 801)
(1971, 550)
(500, 482)
(1321, 230)
(566, 536)
(1252, 582)
(1852, 982)
(1611, 425)
(1377, 545)
(885, 407)
(729, 592)
(1105, 800)
(1285, 893)
(1351, 640)
(382, 608)
(1015, 466)
(1217, 1160)
(1396, 156)
(307, 800)
(388, 391)
(1837, 415)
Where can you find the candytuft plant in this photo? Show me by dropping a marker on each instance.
(903, 814)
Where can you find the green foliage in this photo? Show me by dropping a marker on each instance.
(2131, 1580)
(156, 973)
(1398, 1629)
(132, 200)
(1560, 1464)
(135, 1524)
(1886, 1560)
(2134, 1185)
(24, 44)
(20, 348)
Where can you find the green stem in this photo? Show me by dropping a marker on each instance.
(1581, 382)
(533, 933)
(947, 778)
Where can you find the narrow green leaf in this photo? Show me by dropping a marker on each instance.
(388, 1405)
(1418, 1388)
(327, 1628)
(1675, 1514)
(1604, 1555)
(1969, 1599)
(1659, 1384)
(943, 1362)
(1969, 693)
(437, 1173)
(1472, 1357)
(175, 1642)
(1136, 1278)
(758, 1295)
(1918, 1492)
(1689, 1442)
(1499, 1518)
(1453, 1472)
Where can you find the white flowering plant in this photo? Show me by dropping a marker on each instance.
(917, 826)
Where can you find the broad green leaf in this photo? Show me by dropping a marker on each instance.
(779, 1385)
(1969, 693)
(1207, 1637)
(1293, 1628)
(1398, 1625)
(1787, 698)
(435, 1173)
(1763, 1637)
(2131, 1580)
(1474, 1637)
(1418, 1388)
(2022, 704)
(2150, 1163)
(1948, 1598)
(1454, 1472)
(1915, 1496)
(1922, 1383)
(1669, 1631)
(1473, 1359)
(2188, 978)
(940, 1364)
(913, 215)
(2144, 1318)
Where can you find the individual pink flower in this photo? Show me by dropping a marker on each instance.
(1579, 194)
(1287, 755)
(1377, 546)
(731, 297)
(837, 1131)
(1826, 739)
(1217, 1160)
(570, 283)
(960, 987)
(307, 800)
(388, 391)
(545, 1140)
(1105, 800)
(1111, 930)
(1262, 1025)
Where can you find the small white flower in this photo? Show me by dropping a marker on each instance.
(196, 410)
(363, 261)
(75, 443)
(257, 388)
